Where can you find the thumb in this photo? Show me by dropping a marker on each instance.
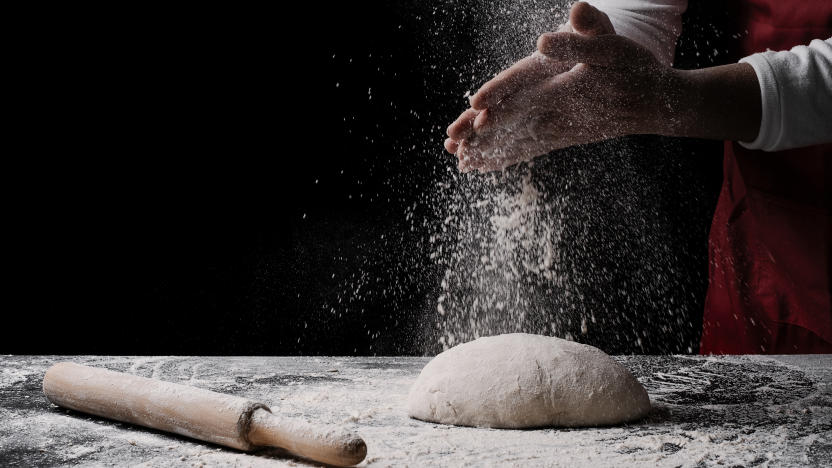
(588, 20)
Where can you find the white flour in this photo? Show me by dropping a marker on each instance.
(781, 434)
(499, 257)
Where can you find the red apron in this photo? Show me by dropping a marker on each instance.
(769, 247)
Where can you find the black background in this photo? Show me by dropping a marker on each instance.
(195, 182)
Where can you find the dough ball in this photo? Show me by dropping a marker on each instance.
(521, 381)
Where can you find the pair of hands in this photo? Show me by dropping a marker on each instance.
(584, 84)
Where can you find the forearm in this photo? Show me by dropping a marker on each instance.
(770, 101)
(721, 103)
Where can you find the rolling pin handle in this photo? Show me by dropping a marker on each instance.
(332, 446)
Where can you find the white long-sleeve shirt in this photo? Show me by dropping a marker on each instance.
(795, 85)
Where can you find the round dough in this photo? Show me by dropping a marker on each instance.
(520, 381)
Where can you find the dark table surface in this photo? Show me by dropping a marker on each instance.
(708, 411)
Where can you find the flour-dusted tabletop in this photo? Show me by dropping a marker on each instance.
(708, 411)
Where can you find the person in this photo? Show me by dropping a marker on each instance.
(607, 73)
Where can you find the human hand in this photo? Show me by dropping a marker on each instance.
(580, 87)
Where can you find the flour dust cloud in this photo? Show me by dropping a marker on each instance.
(570, 245)
(580, 244)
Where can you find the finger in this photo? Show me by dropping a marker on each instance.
(491, 152)
(603, 50)
(500, 117)
(467, 152)
(485, 147)
(526, 105)
(499, 149)
(529, 70)
(590, 21)
(481, 119)
(497, 118)
(470, 157)
(463, 166)
(451, 145)
(463, 126)
(468, 165)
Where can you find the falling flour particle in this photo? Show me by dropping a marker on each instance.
(501, 261)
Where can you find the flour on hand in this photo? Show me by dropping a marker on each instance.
(520, 380)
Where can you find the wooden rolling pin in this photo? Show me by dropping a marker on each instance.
(202, 414)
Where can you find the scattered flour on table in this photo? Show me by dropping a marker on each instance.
(791, 433)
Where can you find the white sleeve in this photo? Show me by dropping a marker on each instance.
(796, 89)
(655, 24)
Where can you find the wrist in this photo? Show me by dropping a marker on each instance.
(720, 103)
(677, 101)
